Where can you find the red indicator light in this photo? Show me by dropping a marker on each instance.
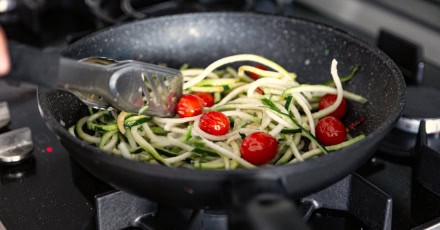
(49, 149)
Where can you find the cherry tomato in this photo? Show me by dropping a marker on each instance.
(256, 76)
(328, 100)
(259, 148)
(214, 123)
(330, 131)
(207, 98)
(189, 105)
(171, 99)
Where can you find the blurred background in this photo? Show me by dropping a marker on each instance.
(57, 23)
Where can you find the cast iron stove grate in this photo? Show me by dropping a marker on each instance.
(348, 201)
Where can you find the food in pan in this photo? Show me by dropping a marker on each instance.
(232, 118)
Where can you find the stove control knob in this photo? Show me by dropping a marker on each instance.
(15, 145)
(5, 115)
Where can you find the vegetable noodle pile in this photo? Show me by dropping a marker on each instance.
(273, 103)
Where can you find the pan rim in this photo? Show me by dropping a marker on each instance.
(268, 172)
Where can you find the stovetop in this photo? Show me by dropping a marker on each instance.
(38, 193)
(50, 191)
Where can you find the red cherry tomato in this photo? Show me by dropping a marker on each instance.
(189, 105)
(330, 131)
(256, 76)
(207, 98)
(259, 148)
(328, 100)
(214, 123)
(171, 99)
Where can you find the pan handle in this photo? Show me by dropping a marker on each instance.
(267, 211)
(32, 65)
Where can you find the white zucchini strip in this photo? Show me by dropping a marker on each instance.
(191, 73)
(86, 137)
(260, 72)
(181, 157)
(227, 153)
(236, 58)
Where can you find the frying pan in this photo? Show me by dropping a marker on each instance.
(304, 47)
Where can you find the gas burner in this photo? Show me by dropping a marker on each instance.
(399, 143)
(421, 103)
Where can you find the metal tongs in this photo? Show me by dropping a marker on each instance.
(103, 83)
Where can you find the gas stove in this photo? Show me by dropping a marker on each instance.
(41, 187)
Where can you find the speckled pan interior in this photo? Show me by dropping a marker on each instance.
(198, 39)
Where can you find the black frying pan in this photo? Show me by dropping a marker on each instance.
(301, 46)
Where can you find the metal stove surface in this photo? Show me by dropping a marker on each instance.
(38, 193)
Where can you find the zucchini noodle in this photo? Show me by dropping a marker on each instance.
(275, 103)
